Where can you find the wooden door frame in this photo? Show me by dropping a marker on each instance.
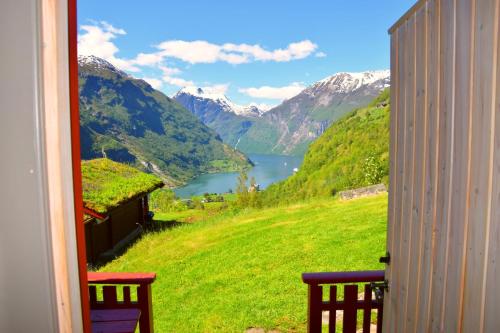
(76, 161)
(61, 144)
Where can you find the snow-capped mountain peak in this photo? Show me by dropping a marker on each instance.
(346, 82)
(221, 100)
(203, 93)
(98, 63)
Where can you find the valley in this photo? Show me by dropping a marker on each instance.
(233, 260)
(199, 137)
(289, 127)
(267, 169)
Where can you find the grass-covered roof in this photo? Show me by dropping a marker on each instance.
(107, 184)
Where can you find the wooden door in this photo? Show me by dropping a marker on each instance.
(444, 209)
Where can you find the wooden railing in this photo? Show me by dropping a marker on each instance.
(349, 305)
(115, 284)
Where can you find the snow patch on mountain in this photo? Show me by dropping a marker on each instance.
(99, 63)
(346, 82)
(251, 110)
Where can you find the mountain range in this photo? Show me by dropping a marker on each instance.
(126, 120)
(290, 127)
(215, 110)
(351, 153)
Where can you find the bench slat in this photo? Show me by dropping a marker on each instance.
(115, 315)
(114, 326)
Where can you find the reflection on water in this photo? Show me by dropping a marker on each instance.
(267, 170)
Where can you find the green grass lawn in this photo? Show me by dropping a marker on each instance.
(229, 272)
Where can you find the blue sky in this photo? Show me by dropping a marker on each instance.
(253, 51)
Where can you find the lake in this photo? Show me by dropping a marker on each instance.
(268, 169)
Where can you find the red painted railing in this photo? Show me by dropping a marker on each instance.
(111, 282)
(349, 305)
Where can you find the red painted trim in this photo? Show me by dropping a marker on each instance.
(93, 214)
(120, 278)
(76, 163)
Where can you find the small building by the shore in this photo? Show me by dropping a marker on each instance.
(115, 199)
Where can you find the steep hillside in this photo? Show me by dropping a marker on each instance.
(126, 120)
(229, 120)
(291, 126)
(353, 152)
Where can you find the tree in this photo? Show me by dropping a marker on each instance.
(242, 197)
(253, 194)
(163, 200)
(197, 204)
(373, 170)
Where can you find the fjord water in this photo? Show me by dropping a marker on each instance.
(268, 169)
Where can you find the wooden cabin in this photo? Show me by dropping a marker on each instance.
(115, 200)
(442, 268)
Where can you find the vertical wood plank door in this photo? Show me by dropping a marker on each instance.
(444, 194)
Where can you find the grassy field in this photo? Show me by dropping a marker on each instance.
(236, 270)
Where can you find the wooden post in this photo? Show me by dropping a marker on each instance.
(367, 308)
(145, 304)
(350, 312)
(380, 316)
(314, 310)
(332, 306)
(145, 210)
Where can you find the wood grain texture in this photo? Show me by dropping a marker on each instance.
(398, 108)
(492, 298)
(409, 158)
(481, 158)
(393, 148)
(430, 164)
(445, 161)
(415, 220)
(457, 223)
(444, 201)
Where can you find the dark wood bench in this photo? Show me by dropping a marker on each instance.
(115, 321)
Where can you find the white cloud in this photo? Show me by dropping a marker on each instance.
(97, 40)
(155, 83)
(168, 76)
(169, 70)
(194, 52)
(216, 89)
(110, 28)
(294, 51)
(200, 51)
(177, 81)
(233, 58)
(148, 59)
(268, 92)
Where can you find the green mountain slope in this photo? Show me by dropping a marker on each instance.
(290, 127)
(126, 120)
(351, 153)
